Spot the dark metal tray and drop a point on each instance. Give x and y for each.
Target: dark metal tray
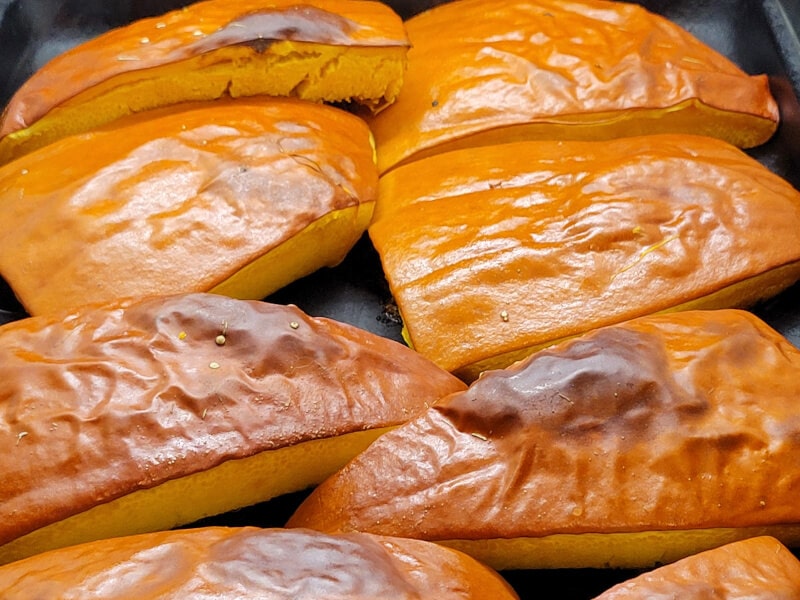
(761, 36)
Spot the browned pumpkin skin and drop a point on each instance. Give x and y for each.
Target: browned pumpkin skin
(184, 200)
(667, 423)
(271, 564)
(234, 35)
(488, 71)
(122, 398)
(758, 568)
(493, 252)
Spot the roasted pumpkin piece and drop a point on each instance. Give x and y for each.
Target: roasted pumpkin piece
(239, 197)
(230, 563)
(490, 71)
(136, 417)
(631, 446)
(494, 252)
(319, 50)
(756, 568)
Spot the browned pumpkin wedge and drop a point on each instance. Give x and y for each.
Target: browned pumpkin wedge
(319, 50)
(239, 197)
(236, 563)
(494, 252)
(131, 418)
(758, 568)
(490, 71)
(633, 445)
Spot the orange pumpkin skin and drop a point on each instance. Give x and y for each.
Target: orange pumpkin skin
(271, 564)
(319, 50)
(635, 444)
(239, 197)
(496, 251)
(488, 71)
(133, 417)
(759, 568)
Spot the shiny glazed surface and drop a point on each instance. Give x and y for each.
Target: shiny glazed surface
(111, 400)
(498, 249)
(269, 564)
(180, 200)
(671, 422)
(578, 583)
(758, 568)
(478, 65)
(200, 28)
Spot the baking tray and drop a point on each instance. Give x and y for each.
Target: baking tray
(761, 36)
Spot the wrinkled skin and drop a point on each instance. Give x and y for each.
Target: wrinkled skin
(665, 423)
(271, 564)
(114, 399)
(490, 71)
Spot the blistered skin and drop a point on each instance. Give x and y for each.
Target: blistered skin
(666, 423)
(198, 29)
(477, 66)
(493, 252)
(182, 200)
(270, 564)
(114, 400)
(759, 568)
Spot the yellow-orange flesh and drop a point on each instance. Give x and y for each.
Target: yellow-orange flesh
(637, 550)
(494, 252)
(629, 446)
(489, 71)
(318, 50)
(236, 196)
(145, 415)
(231, 485)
